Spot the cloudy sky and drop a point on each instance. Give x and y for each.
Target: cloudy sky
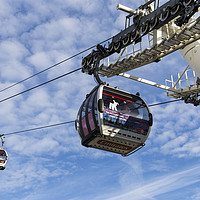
(51, 163)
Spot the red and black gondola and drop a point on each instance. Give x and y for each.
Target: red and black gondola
(113, 120)
(3, 158)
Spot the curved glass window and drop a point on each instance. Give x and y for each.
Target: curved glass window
(83, 118)
(2, 155)
(95, 109)
(90, 113)
(125, 111)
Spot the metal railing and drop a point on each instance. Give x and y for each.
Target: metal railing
(181, 80)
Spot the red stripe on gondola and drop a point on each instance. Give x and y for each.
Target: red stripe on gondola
(122, 98)
(117, 97)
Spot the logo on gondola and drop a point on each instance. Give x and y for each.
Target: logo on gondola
(114, 145)
(113, 106)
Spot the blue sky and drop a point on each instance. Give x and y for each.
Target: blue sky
(51, 163)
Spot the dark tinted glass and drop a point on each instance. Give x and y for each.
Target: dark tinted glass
(125, 111)
(2, 155)
(83, 119)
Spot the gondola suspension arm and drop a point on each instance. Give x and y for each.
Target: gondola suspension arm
(91, 65)
(96, 70)
(2, 141)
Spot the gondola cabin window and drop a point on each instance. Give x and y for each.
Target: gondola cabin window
(3, 156)
(127, 113)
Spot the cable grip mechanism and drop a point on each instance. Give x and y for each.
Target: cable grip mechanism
(193, 99)
(2, 141)
(90, 64)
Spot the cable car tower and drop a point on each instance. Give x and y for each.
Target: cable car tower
(120, 122)
(169, 27)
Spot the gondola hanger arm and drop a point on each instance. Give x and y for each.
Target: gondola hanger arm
(2, 141)
(96, 70)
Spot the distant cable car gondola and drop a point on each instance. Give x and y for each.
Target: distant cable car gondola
(3, 156)
(113, 120)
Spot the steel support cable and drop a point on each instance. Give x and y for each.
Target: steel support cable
(157, 104)
(37, 128)
(46, 69)
(68, 122)
(10, 97)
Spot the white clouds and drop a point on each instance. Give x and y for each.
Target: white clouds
(196, 196)
(162, 185)
(159, 165)
(6, 9)
(165, 136)
(12, 49)
(12, 55)
(31, 174)
(37, 34)
(186, 146)
(56, 34)
(173, 144)
(40, 60)
(131, 174)
(38, 99)
(176, 129)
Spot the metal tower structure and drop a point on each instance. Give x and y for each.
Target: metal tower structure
(163, 29)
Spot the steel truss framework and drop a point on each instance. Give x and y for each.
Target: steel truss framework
(169, 45)
(146, 21)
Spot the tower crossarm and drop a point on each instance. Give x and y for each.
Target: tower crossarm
(178, 40)
(144, 21)
(145, 81)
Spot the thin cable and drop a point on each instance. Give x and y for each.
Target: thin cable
(10, 97)
(53, 66)
(63, 123)
(157, 104)
(37, 128)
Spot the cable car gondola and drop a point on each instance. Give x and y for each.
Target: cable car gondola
(113, 120)
(3, 156)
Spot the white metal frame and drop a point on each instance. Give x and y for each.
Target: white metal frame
(171, 84)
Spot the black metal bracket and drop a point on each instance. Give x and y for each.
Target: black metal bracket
(193, 99)
(90, 65)
(190, 10)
